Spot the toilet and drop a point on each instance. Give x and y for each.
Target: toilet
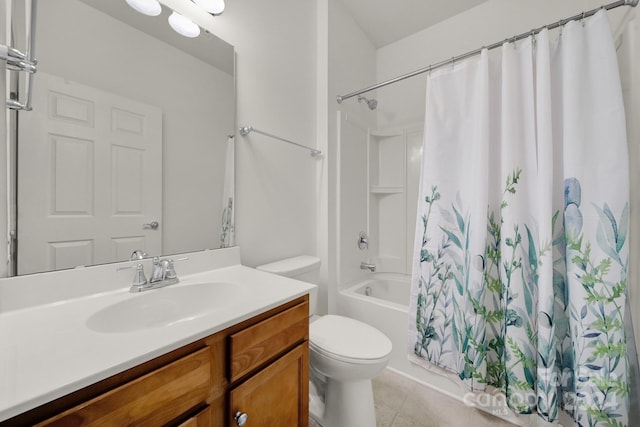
(344, 354)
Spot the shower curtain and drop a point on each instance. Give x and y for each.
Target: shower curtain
(520, 260)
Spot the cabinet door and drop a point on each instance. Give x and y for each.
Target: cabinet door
(278, 395)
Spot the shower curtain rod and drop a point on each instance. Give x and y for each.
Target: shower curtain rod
(246, 130)
(560, 23)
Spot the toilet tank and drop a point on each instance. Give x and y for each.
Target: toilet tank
(304, 267)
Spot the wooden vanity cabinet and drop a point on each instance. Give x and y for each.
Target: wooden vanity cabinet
(258, 367)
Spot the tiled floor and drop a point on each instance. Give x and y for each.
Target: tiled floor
(401, 402)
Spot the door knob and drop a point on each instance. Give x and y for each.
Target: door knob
(241, 418)
(152, 225)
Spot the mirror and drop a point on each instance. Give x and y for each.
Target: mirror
(127, 146)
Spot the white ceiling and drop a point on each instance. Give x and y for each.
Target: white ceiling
(386, 21)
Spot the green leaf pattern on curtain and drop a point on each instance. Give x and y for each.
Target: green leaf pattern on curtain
(479, 316)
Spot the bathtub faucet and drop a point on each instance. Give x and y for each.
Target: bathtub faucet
(367, 266)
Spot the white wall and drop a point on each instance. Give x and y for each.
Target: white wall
(275, 43)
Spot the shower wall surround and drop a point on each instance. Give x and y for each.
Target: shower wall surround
(393, 192)
(378, 194)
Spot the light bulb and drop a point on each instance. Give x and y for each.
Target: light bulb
(212, 6)
(183, 26)
(146, 7)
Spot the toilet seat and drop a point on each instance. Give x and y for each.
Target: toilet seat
(348, 340)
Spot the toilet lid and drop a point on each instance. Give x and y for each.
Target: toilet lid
(348, 338)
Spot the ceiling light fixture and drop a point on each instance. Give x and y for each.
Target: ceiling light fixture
(215, 7)
(183, 26)
(146, 7)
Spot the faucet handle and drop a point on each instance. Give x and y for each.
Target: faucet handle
(363, 240)
(170, 270)
(139, 279)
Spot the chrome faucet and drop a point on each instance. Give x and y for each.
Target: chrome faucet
(367, 266)
(163, 273)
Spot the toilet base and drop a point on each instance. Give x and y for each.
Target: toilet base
(346, 404)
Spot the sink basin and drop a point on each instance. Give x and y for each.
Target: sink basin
(165, 306)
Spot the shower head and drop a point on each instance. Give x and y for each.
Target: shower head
(372, 103)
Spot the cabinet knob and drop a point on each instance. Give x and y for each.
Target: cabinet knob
(241, 418)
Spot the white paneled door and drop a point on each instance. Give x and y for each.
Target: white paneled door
(89, 177)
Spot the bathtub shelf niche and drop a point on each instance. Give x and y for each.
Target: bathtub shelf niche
(392, 173)
(386, 207)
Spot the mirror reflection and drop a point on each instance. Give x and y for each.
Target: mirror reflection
(127, 147)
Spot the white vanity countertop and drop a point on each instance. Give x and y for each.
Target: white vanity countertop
(48, 351)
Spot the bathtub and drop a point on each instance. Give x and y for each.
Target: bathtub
(382, 301)
(385, 289)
